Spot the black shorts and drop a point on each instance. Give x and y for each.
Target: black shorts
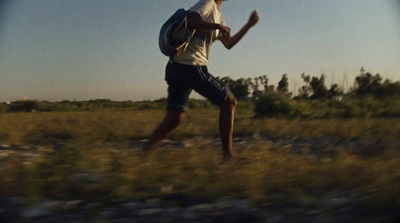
(182, 79)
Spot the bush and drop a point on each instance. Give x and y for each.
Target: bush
(23, 106)
(352, 111)
(362, 107)
(199, 103)
(272, 105)
(3, 107)
(156, 104)
(245, 106)
(390, 106)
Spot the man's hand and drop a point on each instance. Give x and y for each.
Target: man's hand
(229, 41)
(253, 18)
(225, 31)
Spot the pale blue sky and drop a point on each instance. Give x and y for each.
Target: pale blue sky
(87, 49)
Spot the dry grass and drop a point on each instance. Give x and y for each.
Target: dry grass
(198, 170)
(97, 127)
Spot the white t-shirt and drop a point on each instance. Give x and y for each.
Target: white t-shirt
(198, 50)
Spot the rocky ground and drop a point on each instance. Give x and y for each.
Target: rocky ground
(182, 208)
(332, 206)
(320, 147)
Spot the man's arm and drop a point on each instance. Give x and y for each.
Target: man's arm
(231, 42)
(194, 21)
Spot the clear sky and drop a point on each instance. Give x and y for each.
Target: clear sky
(87, 49)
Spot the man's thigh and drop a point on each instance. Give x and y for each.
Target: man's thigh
(212, 89)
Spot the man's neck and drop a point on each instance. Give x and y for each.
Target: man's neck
(218, 2)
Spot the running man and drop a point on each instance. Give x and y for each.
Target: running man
(189, 72)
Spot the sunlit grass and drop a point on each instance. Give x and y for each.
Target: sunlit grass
(96, 142)
(199, 171)
(103, 126)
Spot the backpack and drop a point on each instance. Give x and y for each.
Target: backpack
(174, 34)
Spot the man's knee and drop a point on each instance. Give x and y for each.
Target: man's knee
(230, 101)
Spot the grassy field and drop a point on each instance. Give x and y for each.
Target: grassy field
(102, 126)
(98, 143)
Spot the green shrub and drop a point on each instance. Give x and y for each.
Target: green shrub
(156, 104)
(245, 105)
(365, 106)
(199, 103)
(3, 107)
(390, 107)
(351, 111)
(23, 106)
(272, 105)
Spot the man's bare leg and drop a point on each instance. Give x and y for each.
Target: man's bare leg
(170, 122)
(226, 117)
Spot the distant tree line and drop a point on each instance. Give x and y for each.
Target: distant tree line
(314, 87)
(370, 96)
(65, 105)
